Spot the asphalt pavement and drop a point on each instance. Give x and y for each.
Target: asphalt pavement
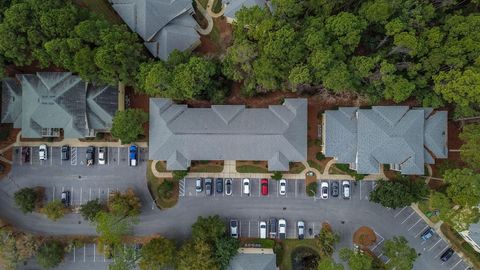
(85, 183)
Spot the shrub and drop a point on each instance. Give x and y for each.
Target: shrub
(277, 175)
(320, 156)
(165, 189)
(312, 189)
(25, 199)
(178, 175)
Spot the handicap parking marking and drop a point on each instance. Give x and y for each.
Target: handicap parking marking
(381, 241)
(73, 156)
(181, 186)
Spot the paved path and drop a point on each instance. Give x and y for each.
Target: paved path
(210, 11)
(209, 19)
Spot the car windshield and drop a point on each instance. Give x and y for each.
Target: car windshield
(233, 224)
(246, 183)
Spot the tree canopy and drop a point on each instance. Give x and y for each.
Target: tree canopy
(54, 210)
(463, 186)
(357, 260)
(470, 149)
(208, 229)
(15, 247)
(399, 193)
(196, 255)
(326, 241)
(400, 254)
(50, 254)
(329, 264)
(124, 204)
(90, 209)
(157, 253)
(25, 199)
(128, 125)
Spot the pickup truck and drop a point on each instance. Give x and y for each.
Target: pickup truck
(132, 156)
(90, 155)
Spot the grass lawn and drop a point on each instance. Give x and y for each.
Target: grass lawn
(424, 207)
(316, 165)
(460, 244)
(251, 169)
(153, 184)
(160, 166)
(289, 246)
(296, 167)
(103, 9)
(207, 169)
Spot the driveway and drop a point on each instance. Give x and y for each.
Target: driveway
(345, 216)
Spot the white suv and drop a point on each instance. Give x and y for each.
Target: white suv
(283, 187)
(246, 186)
(263, 229)
(42, 152)
(324, 190)
(282, 228)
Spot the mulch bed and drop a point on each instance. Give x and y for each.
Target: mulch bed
(364, 237)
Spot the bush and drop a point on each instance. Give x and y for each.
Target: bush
(320, 156)
(312, 189)
(50, 254)
(179, 175)
(25, 199)
(54, 210)
(128, 125)
(277, 176)
(165, 189)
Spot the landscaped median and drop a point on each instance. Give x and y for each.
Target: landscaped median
(163, 190)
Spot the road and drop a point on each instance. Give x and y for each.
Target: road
(345, 216)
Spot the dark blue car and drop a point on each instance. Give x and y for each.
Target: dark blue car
(132, 156)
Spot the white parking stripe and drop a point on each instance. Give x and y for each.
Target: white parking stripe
(72, 199)
(360, 190)
(408, 217)
(459, 261)
(249, 229)
(90, 194)
(295, 188)
(81, 195)
(118, 155)
(400, 211)
(422, 230)
(84, 249)
(53, 197)
(94, 252)
(414, 224)
(51, 152)
(73, 253)
(435, 244)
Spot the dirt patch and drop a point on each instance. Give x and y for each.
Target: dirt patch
(437, 185)
(310, 179)
(364, 237)
(296, 167)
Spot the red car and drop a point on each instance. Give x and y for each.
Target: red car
(264, 187)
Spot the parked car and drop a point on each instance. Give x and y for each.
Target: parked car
(26, 154)
(346, 189)
(282, 228)
(234, 228)
(301, 229)
(90, 155)
(264, 187)
(246, 186)
(65, 198)
(335, 189)
(42, 152)
(273, 228)
(283, 187)
(263, 229)
(427, 234)
(324, 190)
(447, 255)
(208, 186)
(102, 155)
(228, 186)
(132, 156)
(65, 152)
(219, 185)
(199, 185)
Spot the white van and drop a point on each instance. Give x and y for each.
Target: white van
(263, 229)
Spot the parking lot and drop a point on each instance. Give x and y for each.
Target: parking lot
(413, 225)
(295, 190)
(116, 156)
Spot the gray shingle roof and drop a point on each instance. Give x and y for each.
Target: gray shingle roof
(11, 102)
(58, 100)
(386, 135)
(232, 6)
(253, 261)
(180, 134)
(474, 232)
(164, 25)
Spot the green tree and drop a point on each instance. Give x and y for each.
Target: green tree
(277, 175)
(179, 175)
(124, 258)
(90, 209)
(357, 260)
(400, 254)
(398, 193)
(208, 229)
(25, 199)
(54, 210)
(128, 125)
(124, 204)
(157, 253)
(461, 218)
(288, 8)
(50, 254)
(470, 149)
(377, 11)
(196, 255)
(326, 241)
(329, 264)
(119, 55)
(112, 227)
(346, 28)
(225, 249)
(463, 186)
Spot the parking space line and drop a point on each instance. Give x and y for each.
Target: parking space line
(73, 253)
(408, 217)
(104, 247)
(94, 251)
(435, 244)
(90, 194)
(460, 260)
(118, 155)
(440, 253)
(84, 251)
(249, 229)
(51, 152)
(81, 195)
(295, 188)
(53, 197)
(360, 190)
(108, 197)
(422, 230)
(71, 190)
(400, 212)
(414, 224)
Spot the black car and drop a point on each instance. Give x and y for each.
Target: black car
(273, 228)
(335, 188)
(208, 186)
(66, 198)
(219, 185)
(90, 155)
(26, 154)
(447, 255)
(65, 152)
